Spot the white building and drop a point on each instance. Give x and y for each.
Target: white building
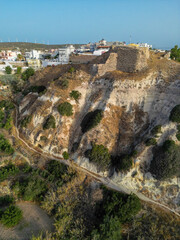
(64, 54)
(100, 51)
(33, 54)
(145, 45)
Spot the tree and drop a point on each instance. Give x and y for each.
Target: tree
(110, 229)
(100, 156)
(165, 163)
(175, 114)
(19, 69)
(91, 120)
(175, 53)
(75, 94)
(19, 57)
(11, 216)
(27, 74)
(50, 123)
(8, 70)
(65, 109)
(65, 155)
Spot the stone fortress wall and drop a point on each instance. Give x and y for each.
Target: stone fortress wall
(125, 59)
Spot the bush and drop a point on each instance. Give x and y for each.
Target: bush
(43, 138)
(65, 109)
(6, 108)
(30, 188)
(100, 156)
(8, 70)
(175, 114)
(151, 141)
(5, 146)
(6, 200)
(91, 120)
(110, 229)
(175, 53)
(11, 216)
(19, 69)
(64, 84)
(50, 123)
(123, 163)
(9, 170)
(71, 70)
(75, 94)
(56, 169)
(124, 206)
(165, 163)
(65, 155)
(156, 130)
(26, 120)
(178, 136)
(27, 74)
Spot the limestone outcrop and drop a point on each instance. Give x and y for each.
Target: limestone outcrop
(133, 103)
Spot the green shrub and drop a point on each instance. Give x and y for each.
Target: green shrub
(65, 109)
(19, 69)
(175, 114)
(65, 155)
(150, 142)
(156, 130)
(91, 120)
(165, 163)
(7, 171)
(11, 216)
(110, 229)
(6, 200)
(71, 70)
(27, 74)
(178, 128)
(8, 70)
(175, 53)
(5, 146)
(56, 169)
(178, 136)
(26, 120)
(124, 163)
(100, 156)
(64, 84)
(8, 105)
(30, 188)
(6, 108)
(75, 94)
(43, 138)
(50, 123)
(124, 206)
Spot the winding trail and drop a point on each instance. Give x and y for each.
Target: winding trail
(105, 180)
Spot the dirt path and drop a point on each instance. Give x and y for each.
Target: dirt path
(105, 180)
(35, 220)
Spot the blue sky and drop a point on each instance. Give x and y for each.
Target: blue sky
(81, 21)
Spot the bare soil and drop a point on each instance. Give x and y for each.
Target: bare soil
(34, 221)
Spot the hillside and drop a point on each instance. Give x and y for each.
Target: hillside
(91, 151)
(29, 46)
(132, 104)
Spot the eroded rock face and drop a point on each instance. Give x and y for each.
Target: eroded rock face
(131, 109)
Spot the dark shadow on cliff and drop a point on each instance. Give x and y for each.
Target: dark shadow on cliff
(98, 93)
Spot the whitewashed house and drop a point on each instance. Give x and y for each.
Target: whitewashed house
(64, 54)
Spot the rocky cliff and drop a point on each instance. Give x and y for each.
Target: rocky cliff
(135, 96)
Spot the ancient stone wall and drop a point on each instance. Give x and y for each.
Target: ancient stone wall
(126, 59)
